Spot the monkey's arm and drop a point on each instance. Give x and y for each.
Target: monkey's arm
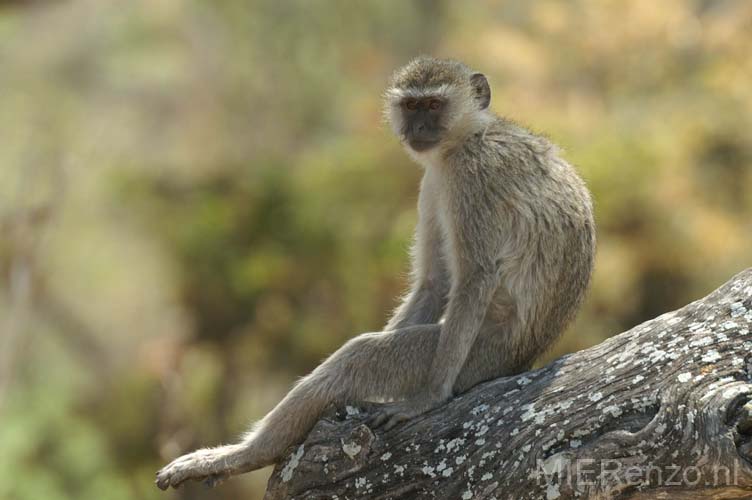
(427, 300)
(464, 318)
(465, 314)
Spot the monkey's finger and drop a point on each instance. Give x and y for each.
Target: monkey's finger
(397, 418)
(178, 475)
(163, 478)
(378, 420)
(164, 482)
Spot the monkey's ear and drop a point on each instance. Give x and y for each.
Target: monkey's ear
(482, 90)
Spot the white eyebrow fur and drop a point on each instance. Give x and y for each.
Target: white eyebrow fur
(435, 91)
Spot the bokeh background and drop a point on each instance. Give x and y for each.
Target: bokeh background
(199, 200)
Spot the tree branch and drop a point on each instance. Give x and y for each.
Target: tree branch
(661, 411)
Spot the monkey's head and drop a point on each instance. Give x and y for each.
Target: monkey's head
(432, 102)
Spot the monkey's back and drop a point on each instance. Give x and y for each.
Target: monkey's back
(548, 248)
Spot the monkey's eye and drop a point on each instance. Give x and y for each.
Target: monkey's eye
(411, 104)
(435, 104)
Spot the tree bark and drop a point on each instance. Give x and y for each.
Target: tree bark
(663, 410)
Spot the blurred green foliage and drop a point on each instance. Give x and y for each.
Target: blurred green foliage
(198, 200)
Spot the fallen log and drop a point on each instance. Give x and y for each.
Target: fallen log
(663, 410)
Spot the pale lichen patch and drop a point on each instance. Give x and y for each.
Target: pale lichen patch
(531, 413)
(732, 392)
(481, 408)
(657, 355)
(729, 325)
(523, 381)
(675, 320)
(564, 405)
(738, 309)
(428, 471)
(704, 341)
(711, 356)
(454, 443)
(613, 410)
(693, 327)
(351, 449)
(595, 397)
(288, 470)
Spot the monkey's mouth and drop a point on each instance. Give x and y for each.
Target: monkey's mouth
(421, 145)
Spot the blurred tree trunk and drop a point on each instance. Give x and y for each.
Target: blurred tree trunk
(663, 410)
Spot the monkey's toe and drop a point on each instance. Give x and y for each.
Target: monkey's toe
(382, 417)
(378, 419)
(187, 467)
(164, 477)
(396, 419)
(389, 416)
(171, 476)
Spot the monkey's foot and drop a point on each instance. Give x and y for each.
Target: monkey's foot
(210, 465)
(392, 414)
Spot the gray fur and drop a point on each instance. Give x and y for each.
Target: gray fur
(502, 259)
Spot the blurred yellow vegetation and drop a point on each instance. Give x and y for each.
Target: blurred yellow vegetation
(199, 200)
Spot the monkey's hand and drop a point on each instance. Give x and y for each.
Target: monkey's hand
(392, 414)
(208, 465)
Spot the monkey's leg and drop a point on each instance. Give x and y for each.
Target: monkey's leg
(488, 359)
(389, 365)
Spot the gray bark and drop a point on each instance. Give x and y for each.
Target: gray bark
(663, 410)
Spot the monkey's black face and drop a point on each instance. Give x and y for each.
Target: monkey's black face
(422, 122)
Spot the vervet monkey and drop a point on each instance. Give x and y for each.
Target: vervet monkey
(503, 255)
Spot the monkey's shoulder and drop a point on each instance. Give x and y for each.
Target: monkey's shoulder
(504, 148)
(508, 136)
